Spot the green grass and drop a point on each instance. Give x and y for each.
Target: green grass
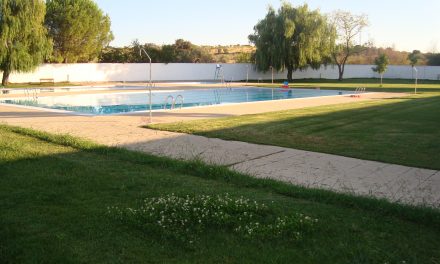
(401, 130)
(38, 85)
(54, 193)
(372, 84)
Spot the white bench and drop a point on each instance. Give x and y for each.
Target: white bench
(47, 80)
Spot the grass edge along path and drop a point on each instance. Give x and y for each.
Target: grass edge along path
(416, 214)
(371, 84)
(399, 131)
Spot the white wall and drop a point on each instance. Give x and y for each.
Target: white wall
(131, 72)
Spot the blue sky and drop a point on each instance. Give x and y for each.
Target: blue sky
(404, 24)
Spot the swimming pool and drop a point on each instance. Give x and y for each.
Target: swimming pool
(124, 102)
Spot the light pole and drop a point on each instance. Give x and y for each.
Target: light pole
(149, 85)
(247, 74)
(272, 73)
(415, 85)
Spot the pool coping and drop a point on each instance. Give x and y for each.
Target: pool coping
(171, 110)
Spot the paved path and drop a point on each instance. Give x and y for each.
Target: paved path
(394, 182)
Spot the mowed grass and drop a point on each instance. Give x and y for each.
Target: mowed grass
(55, 190)
(403, 131)
(371, 84)
(38, 85)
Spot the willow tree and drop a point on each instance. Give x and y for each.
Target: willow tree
(79, 29)
(23, 38)
(292, 38)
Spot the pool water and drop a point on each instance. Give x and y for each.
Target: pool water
(113, 103)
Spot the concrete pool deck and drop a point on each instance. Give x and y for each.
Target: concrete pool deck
(394, 182)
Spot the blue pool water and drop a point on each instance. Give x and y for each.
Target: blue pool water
(112, 103)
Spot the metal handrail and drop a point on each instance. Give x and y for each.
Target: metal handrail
(166, 102)
(31, 94)
(150, 85)
(217, 96)
(181, 101)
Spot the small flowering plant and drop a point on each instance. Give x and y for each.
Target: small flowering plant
(184, 217)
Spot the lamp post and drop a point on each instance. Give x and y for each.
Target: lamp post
(149, 84)
(271, 68)
(247, 74)
(415, 85)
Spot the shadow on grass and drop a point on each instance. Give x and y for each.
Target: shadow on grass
(422, 215)
(53, 202)
(53, 209)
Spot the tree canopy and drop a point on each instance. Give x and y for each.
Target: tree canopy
(433, 59)
(79, 29)
(414, 57)
(23, 37)
(181, 51)
(292, 38)
(381, 63)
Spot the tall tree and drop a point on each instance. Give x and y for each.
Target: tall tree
(381, 63)
(414, 57)
(348, 27)
(292, 38)
(23, 37)
(79, 29)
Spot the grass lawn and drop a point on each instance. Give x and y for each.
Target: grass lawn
(402, 131)
(37, 85)
(55, 190)
(372, 84)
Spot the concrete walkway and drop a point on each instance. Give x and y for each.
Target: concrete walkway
(394, 182)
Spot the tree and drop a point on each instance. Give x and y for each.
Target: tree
(79, 29)
(23, 37)
(414, 57)
(433, 59)
(115, 55)
(348, 27)
(244, 57)
(292, 38)
(381, 63)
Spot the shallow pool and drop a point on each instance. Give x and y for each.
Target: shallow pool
(113, 103)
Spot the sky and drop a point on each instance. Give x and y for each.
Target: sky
(402, 24)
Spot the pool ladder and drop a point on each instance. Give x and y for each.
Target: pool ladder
(358, 92)
(173, 102)
(31, 94)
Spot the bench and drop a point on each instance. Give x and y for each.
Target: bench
(5, 91)
(47, 80)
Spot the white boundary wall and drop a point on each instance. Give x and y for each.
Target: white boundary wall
(134, 72)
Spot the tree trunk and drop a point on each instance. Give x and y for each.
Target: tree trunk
(381, 77)
(289, 74)
(341, 72)
(5, 79)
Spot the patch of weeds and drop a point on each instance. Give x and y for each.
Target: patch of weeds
(185, 218)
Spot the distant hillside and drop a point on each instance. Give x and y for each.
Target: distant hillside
(231, 53)
(185, 51)
(395, 57)
(243, 53)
